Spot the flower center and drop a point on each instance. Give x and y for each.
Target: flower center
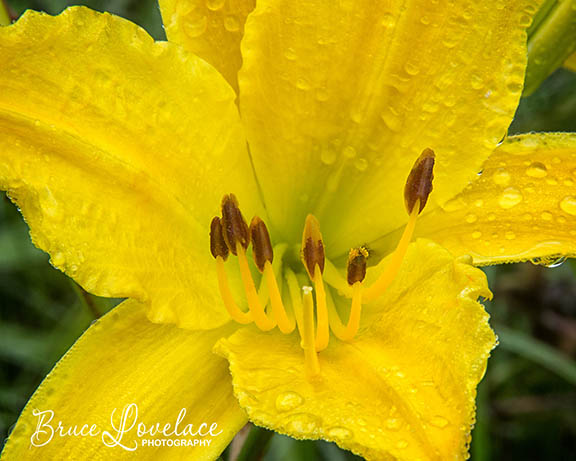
(314, 316)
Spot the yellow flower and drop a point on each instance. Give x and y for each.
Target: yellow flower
(118, 150)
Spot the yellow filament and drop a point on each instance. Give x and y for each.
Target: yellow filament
(285, 324)
(307, 333)
(258, 314)
(231, 306)
(393, 267)
(347, 332)
(323, 328)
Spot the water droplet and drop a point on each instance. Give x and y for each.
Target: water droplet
(546, 216)
(361, 164)
(510, 235)
(492, 217)
(328, 156)
(425, 20)
(501, 177)
(341, 433)
(439, 421)
(515, 86)
(362, 422)
(471, 218)
(231, 24)
(549, 262)
(476, 82)
(195, 25)
(290, 54)
(302, 84)
(302, 423)
(512, 197)
(476, 234)
(349, 152)
(537, 170)
(568, 204)
(401, 444)
(393, 424)
(411, 68)
(388, 20)
(214, 5)
(287, 401)
(478, 203)
(392, 120)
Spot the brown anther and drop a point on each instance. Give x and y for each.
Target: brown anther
(235, 229)
(419, 182)
(312, 254)
(356, 270)
(217, 244)
(261, 245)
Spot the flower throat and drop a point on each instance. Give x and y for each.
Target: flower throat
(314, 316)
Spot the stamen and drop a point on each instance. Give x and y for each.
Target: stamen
(416, 192)
(219, 250)
(356, 272)
(218, 246)
(258, 313)
(312, 254)
(419, 182)
(235, 228)
(263, 257)
(261, 245)
(313, 259)
(307, 333)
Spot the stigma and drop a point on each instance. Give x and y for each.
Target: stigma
(292, 299)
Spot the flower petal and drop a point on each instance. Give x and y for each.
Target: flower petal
(123, 359)
(212, 29)
(403, 389)
(340, 98)
(522, 207)
(118, 151)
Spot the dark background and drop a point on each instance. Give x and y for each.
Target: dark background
(526, 402)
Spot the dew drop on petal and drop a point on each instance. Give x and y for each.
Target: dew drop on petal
(471, 218)
(287, 401)
(349, 152)
(549, 262)
(231, 24)
(546, 216)
(501, 177)
(439, 421)
(195, 25)
(537, 170)
(328, 156)
(361, 164)
(511, 197)
(401, 444)
(393, 424)
(302, 423)
(568, 205)
(214, 5)
(341, 433)
(510, 235)
(476, 234)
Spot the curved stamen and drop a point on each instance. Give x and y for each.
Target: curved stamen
(258, 313)
(233, 310)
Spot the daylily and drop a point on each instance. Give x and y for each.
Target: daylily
(120, 151)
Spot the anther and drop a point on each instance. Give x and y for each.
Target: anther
(356, 270)
(312, 254)
(218, 246)
(261, 245)
(419, 182)
(235, 229)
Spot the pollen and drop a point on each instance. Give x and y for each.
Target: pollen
(309, 297)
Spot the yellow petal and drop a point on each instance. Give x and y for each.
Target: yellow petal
(212, 29)
(404, 388)
(118, 151)
(340, 98)
(123, 359)
(570, 63)
(522, 207)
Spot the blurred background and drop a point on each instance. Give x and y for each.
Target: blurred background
(526, 402)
